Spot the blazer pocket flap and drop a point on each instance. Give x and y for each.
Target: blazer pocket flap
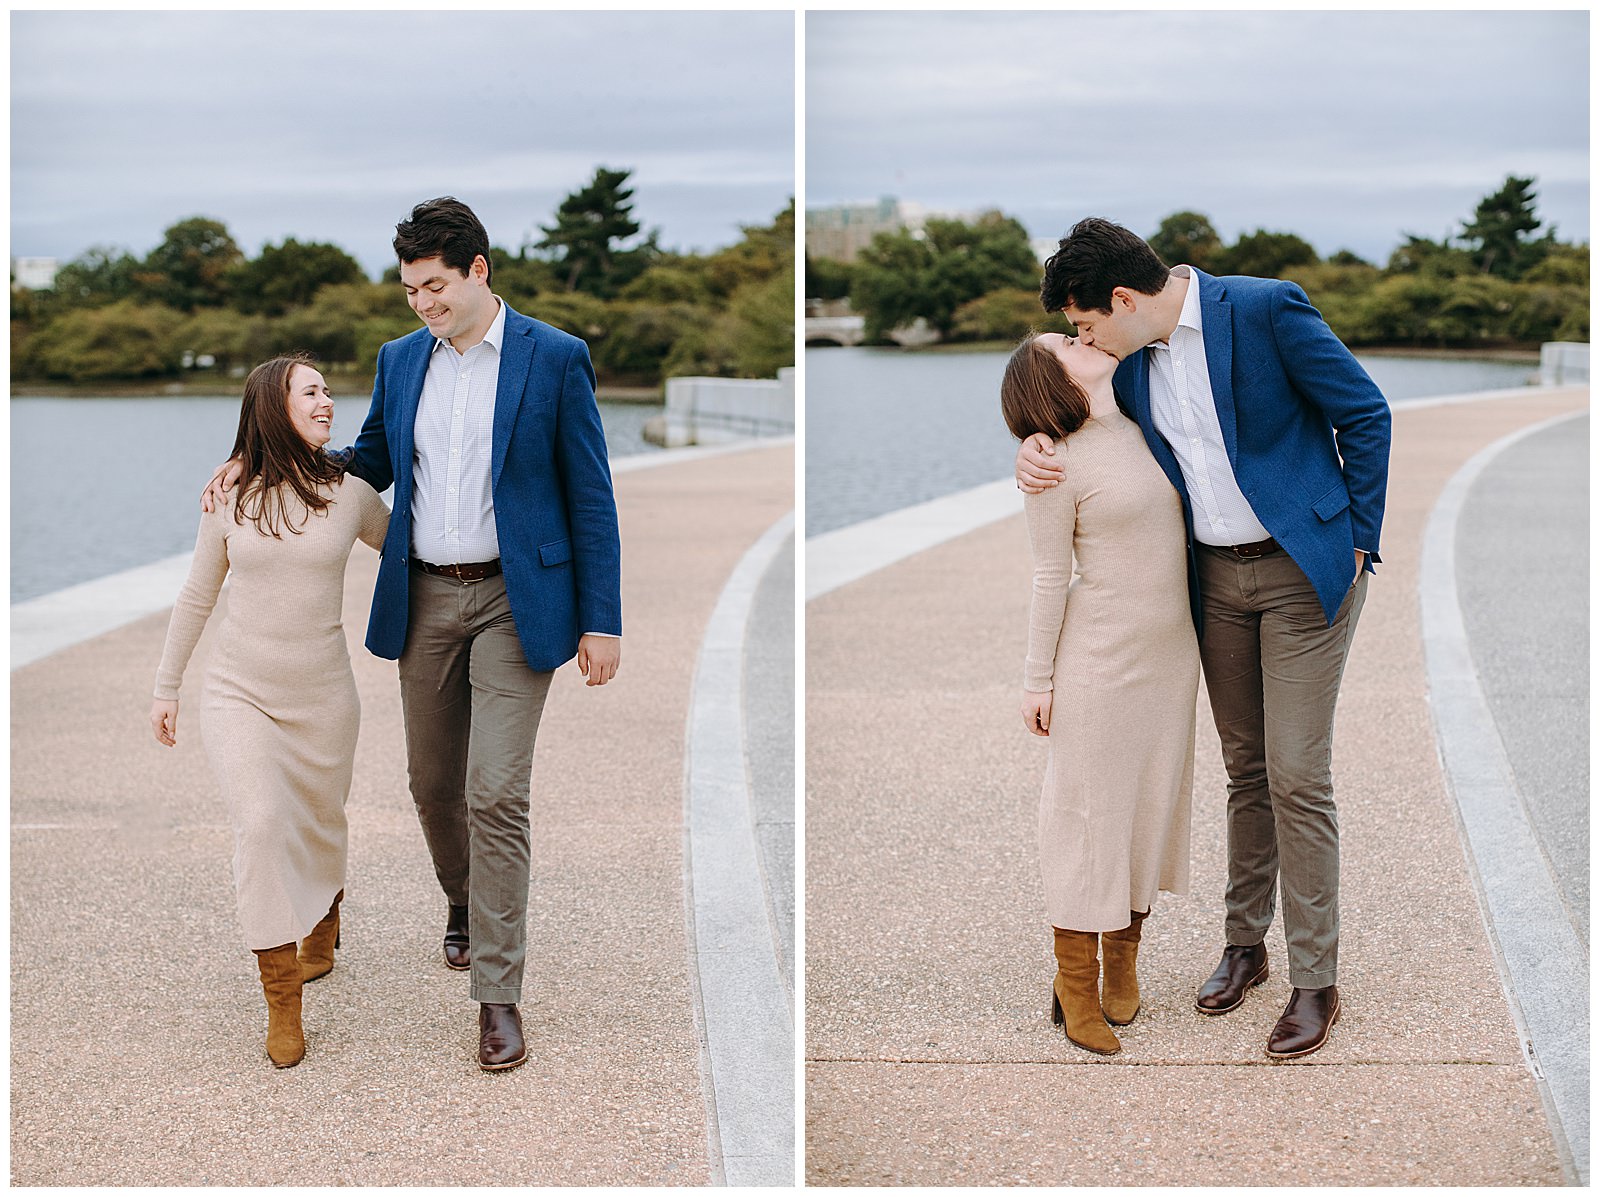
(1332, 503)
(555, 552)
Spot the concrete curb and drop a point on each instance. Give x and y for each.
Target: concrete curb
(58, 620)
(746, 1022)
(1543, 965)
(845, 555)
(47, 624)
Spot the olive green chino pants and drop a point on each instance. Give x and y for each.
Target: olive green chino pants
(1273, 665)
(472, 710)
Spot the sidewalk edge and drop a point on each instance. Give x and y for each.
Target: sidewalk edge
(1543, 967)
(743, 1013)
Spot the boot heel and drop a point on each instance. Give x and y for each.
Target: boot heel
(1056, 1017)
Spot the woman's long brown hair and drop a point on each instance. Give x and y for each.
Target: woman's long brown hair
(1038, 395)
(277, 461)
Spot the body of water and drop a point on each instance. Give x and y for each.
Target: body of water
(887, 428)
(102, 485)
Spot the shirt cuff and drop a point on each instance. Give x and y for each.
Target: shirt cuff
(607, 635)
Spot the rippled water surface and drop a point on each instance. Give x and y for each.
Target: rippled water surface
(885, 428)
(102, 485)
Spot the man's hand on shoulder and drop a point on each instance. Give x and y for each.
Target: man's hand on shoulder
(1037, 468)
(599, 657)
(224, 480)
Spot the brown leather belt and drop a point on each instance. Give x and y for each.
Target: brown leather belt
(471, 571)
(1249, 552)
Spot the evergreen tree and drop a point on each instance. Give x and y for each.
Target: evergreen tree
(1499, 235)
(587, 224)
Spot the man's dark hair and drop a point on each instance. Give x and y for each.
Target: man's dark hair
(1095, 258)
(442, 228)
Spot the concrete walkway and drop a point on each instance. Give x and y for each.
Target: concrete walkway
(136, 1016)
(930, 1056)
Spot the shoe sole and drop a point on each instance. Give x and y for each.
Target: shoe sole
(1127, 1022)
(1259, 979)
(522, 1059)
(1317, 1046)
(459, 968)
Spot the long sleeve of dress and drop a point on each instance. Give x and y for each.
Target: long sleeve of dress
(374, 513)
(1052, 518)
(196, 600)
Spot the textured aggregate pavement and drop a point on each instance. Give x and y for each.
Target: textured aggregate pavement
(930, 1054)
(137, 1021)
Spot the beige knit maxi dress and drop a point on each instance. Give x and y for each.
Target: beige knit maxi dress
(1117, 646)
(279, 710)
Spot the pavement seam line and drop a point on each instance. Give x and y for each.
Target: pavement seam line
(1263, 1063)
(745, 1020)
(1540, 958)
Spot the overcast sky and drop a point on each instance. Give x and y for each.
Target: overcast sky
(1348, 128)
(330, 126)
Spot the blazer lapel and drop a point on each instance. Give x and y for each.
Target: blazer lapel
(1216, 318)
(1135, 375)
(516, 356)
(415, 372)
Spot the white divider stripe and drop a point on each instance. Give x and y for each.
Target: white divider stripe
(746, 1020)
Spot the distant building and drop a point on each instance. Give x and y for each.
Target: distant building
(36, 274)
(842, 231)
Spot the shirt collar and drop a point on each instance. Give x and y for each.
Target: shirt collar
(1190, 316)
(494, 337)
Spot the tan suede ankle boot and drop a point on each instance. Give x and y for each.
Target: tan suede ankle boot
(1119, 993)
(280, 982)
(1076, 997)
(316, 949)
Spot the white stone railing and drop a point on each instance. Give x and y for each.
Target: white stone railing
(1563, 363)
(713, 411)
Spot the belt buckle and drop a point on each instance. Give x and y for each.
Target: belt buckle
(1247, 552)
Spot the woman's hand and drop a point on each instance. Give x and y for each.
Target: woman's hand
(164, 720)
(1036, 711)
(1037, 469)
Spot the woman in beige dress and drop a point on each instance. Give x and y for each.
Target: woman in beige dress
(279, 711)
(1111, 678)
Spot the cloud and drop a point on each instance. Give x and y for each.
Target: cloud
(1368, 122)
(322, 125)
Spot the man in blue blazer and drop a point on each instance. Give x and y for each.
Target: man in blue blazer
(502, 563)
(1278, 443)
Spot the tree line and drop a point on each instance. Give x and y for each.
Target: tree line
(1497, 282)
(647, 312)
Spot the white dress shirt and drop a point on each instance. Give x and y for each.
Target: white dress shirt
(452, 500)
(1184, 411)
(452, 509)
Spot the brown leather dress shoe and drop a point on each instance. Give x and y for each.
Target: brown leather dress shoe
(500, 1044)
(457, 943)
(1306, 1022)
(1241, 969)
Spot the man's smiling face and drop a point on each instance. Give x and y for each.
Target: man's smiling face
(447, 301)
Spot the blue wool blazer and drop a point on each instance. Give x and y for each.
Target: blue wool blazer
(1307, 430)
(554, 512)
